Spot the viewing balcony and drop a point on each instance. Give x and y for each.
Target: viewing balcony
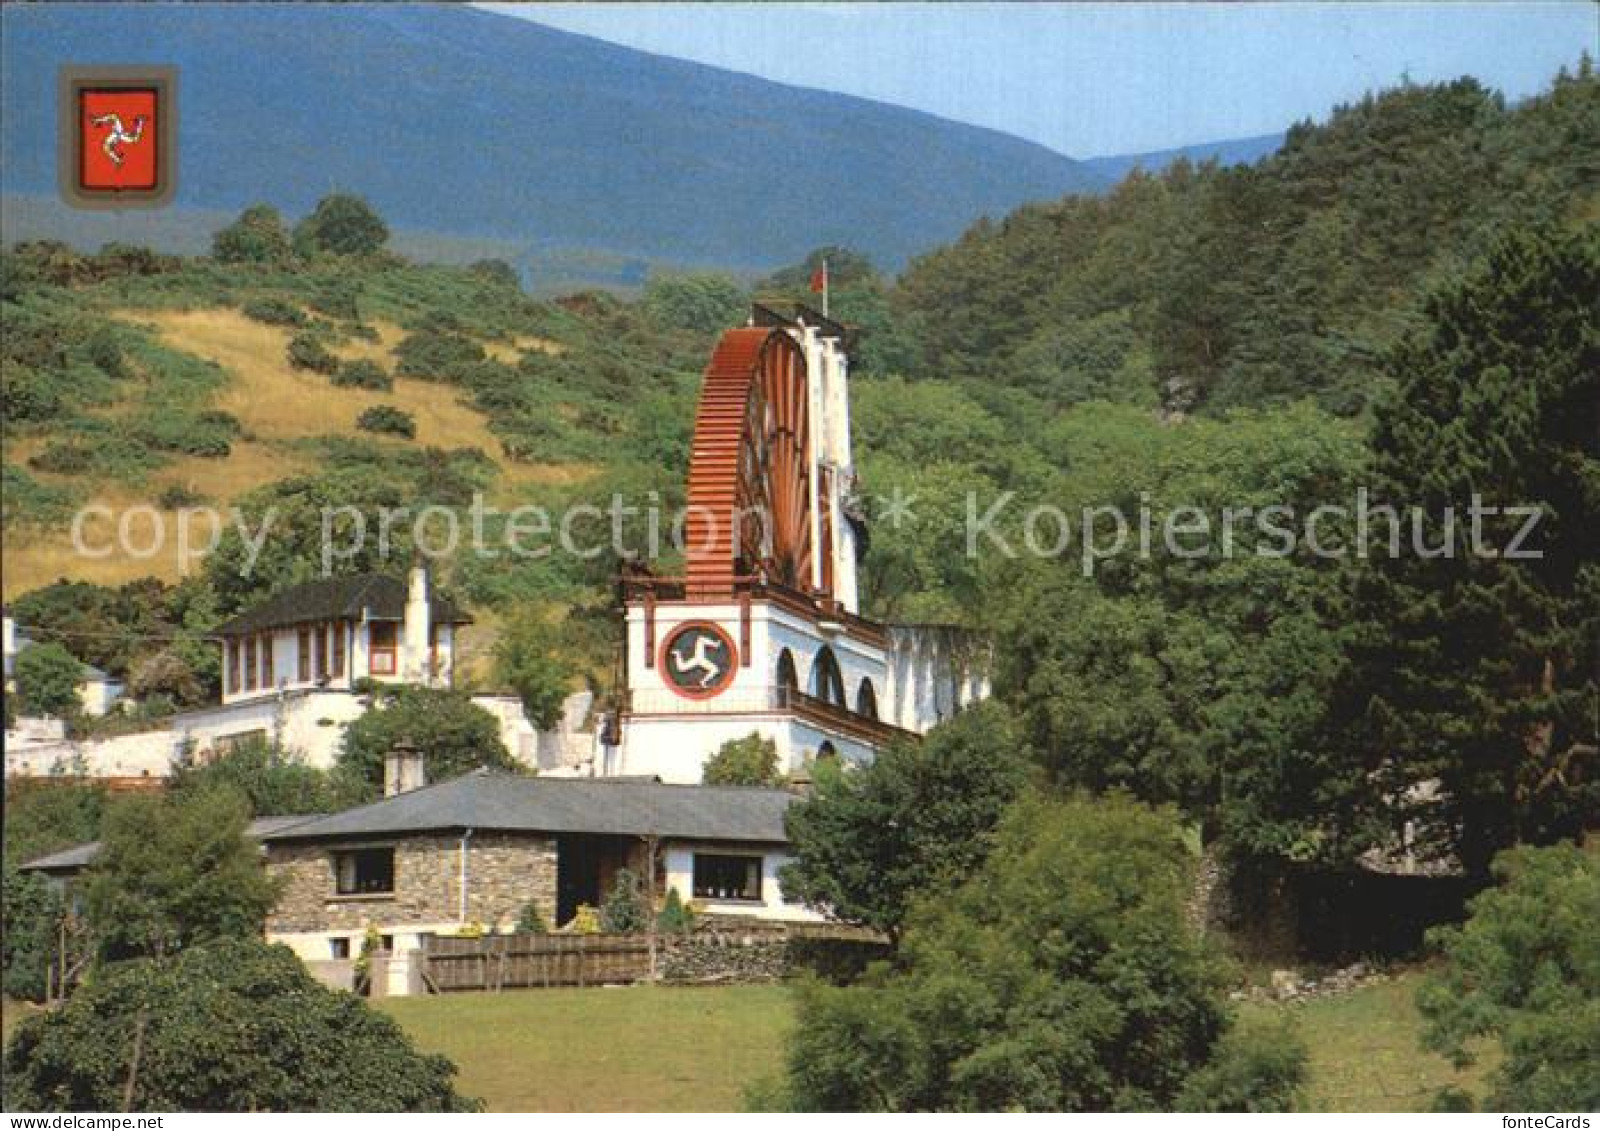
(820, 713)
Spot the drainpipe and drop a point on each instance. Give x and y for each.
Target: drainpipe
(462, 915)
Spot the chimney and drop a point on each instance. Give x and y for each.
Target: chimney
(403, 769)
(416, 630)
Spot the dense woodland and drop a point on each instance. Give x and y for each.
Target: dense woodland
(1403, 300)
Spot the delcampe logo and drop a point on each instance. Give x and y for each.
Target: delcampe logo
(118, 136)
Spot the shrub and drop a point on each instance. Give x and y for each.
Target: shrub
(530, 921)
(623, 912)
(174, 872)
(456, 734)
(177, 496)
(388, 420)
(63, 458)
(529, 659)
(1525, 970)
(33, 909)
(28, 394)
(675, 917)
(1060, 976)
(751, 760)
(257, 236)
(215, 1024)
(274, 312)
(307, 352)
(47, 678)
(363, 374)
(437, 355)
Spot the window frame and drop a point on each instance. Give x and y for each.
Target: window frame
(356, 889)
(709, 887)
(388, 652)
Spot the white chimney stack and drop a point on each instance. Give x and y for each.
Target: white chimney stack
(417, 628)
(403, 769)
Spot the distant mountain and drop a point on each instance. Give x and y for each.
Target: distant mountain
(1237, 151)
(468, 125)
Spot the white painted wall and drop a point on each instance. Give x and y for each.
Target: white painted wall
(672, 736)
(679, 859)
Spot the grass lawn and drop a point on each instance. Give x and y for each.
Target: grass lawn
(1366, 1054)
(664, 1048)
(633, 1048)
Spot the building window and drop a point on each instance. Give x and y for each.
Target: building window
(302, 646)
(364, 871)
(788, 678)
(382, 636)
(336, 634)
(827, 682)
(339, 948)
(228, 743)
(268, 669)
(319, 646)
(250, 670)
(233, 665)
(867, 700)
(727, 877)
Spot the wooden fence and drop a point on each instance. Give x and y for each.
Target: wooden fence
(496, 962)
(715, 951)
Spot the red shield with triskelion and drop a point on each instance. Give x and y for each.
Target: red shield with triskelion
(118, 139)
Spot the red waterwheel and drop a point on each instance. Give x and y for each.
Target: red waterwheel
(749, 478)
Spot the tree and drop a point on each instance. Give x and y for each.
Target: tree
(274, 781)
(33, 912)
(231, 1025)
(1525, 970)
(342, 224)
(1061, 976)
(166, 673)
(751, 760)
(870, 840)
(529, 659)
(454, 734)
(623, 912)
(704, 304)
(257, 236)
(1472, 668)
(173, 873)
(47, 678)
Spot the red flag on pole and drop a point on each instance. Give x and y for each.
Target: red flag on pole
(819, 285)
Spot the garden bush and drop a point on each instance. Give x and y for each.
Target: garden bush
(363, 374)
(437, 355)
(307, 352)
(389, 421)
(274, 312)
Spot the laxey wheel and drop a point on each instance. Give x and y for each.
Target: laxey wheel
(749, 476)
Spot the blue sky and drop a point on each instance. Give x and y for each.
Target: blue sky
(1094, 79)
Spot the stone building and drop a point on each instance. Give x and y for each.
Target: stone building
(473, 852)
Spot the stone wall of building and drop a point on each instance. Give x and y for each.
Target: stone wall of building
(504, 871)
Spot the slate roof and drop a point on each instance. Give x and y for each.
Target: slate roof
(509, 803)
(79, 856)
(378, 595)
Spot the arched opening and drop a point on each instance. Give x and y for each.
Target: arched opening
(827, 681)
(788, 678)
(867, 699)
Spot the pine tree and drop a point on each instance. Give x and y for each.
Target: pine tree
(1476, 674)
